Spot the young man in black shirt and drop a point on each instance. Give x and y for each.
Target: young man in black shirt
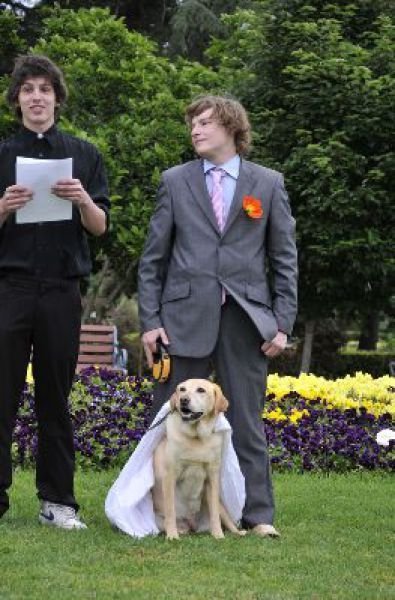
(41, 265)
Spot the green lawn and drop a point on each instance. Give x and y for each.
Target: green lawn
(336, 543)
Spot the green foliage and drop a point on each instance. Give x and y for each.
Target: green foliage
(150, 18)
(319, 90)
(129, 101)
(11, 41)
(192, 26)
(333, 365)
(318, 81)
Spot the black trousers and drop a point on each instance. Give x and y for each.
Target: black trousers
(240, 368)
(43, 318)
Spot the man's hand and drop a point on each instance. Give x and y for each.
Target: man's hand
(73, 190)
(14, 197)
(149, 339)
(276, 346)
(93, 217)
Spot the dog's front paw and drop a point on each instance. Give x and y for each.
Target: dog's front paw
(218, 534)
(241, 532)
(172, 534)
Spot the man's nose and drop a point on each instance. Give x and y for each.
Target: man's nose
(36, 94)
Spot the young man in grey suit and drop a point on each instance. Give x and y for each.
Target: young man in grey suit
(220, 225)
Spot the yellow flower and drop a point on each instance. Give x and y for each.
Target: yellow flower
(296, 415)
(275, 415)
(29, 374)
(353, 391)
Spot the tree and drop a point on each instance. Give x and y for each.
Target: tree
(150, 18)
(179, 27)
(129, 101)
(320, 104)
(29, 19)
(11, 42)
(194, 22)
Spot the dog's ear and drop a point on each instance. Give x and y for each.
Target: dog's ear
(221, 403)
(173, 401)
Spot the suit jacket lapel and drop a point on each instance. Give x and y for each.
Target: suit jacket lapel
(244, 186)
(197, 184)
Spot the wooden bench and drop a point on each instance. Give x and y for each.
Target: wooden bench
(99, 347)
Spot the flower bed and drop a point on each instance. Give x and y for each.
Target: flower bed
(109, 414)
(312, 424)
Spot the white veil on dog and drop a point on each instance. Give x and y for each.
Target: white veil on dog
(129, 504)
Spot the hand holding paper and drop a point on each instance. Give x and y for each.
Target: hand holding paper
(73, 190)
(40, 175)
(14, 198)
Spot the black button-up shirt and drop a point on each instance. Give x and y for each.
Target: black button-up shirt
(52, 249)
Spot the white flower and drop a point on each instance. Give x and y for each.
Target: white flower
(384, 437)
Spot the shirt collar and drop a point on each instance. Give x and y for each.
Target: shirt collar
(49, 135)
(231, 166)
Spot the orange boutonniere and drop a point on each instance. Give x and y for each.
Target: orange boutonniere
(252, 207)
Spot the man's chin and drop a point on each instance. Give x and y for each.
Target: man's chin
(203, 152)
(38, 123)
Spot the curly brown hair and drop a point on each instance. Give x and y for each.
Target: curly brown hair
(229, 113)
(35, 65)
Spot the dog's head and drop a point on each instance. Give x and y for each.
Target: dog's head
(195, 399)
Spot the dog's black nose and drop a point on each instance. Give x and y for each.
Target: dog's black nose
(184, 401)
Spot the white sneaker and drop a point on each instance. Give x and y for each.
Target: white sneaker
(59, 515)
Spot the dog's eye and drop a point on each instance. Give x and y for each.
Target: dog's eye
(201, 390)
(182, 389)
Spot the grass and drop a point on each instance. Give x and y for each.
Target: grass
(335, 544)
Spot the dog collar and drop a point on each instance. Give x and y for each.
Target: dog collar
(160, 421)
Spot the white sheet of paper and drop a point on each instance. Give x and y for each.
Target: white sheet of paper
(40, 175)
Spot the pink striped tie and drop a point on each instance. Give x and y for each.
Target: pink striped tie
(217, 196)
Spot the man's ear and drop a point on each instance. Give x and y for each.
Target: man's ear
(221, 403)
(173, 401)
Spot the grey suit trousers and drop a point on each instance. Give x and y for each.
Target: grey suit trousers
(240, 369)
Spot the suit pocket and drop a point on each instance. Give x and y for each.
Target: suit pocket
(176, 291)
(259, 293)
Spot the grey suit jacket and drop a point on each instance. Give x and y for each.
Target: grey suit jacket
(186, 260)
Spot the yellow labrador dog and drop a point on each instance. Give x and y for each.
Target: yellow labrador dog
(187, 462)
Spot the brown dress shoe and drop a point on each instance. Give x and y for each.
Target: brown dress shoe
(265, 530)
